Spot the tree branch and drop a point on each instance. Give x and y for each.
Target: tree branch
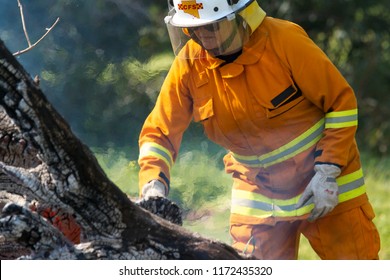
(23, 23)
(31, 46)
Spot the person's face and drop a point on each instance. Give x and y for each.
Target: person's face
(213, 36)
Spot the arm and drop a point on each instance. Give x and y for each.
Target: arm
(162, 132)
(324, 86)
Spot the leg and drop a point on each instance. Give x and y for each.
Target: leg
(349, 235)
(278, 242)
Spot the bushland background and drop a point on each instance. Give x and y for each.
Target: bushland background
(104, 62)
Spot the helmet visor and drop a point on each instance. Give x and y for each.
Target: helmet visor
(222, 37)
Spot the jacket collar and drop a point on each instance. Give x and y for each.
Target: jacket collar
(251, 54)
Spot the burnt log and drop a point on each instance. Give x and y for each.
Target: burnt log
(43, 162)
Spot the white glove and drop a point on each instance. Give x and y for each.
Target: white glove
(324, 190)
(154, 188)
(154, 200)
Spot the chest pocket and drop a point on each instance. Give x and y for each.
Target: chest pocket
(203, 101)
(284, 101)
(203, 109)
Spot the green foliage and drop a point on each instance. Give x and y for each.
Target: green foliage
(121, 171)
(198, 184)
(377, 181)
(197, 177)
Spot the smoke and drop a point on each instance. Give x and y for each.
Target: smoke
(90, 35)
(131, 9)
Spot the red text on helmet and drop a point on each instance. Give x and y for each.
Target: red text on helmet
(191, 7)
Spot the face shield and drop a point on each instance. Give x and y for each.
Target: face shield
(223, 37)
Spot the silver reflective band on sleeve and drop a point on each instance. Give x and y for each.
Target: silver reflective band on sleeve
(341, 119)
(158, 151)
(259, 206)
(291, 149)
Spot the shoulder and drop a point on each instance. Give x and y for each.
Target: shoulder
(285, 36)
(280, 28)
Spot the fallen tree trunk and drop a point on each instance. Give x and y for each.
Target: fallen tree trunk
(43, 161)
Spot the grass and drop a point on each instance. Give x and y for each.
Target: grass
(378, 189)
(207, 208)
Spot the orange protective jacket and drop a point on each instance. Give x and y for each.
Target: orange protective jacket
(279, 108)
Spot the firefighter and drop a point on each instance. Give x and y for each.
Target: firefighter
(263, 90)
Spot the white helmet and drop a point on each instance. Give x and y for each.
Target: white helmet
(191, 13)
(187, 17)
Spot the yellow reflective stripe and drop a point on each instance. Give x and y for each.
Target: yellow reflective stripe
(258, 213)
(304, 210)
(298, 212)
(246, 211)
(346, 179)
(341, 125)
(280, 151)
(287, 151)
(158, 151)
(352, 194)
(262, 198)
(259, 206)
(339, 114)
(341, 119)
(350, 179)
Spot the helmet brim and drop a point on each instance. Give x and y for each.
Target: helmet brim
(179, 21)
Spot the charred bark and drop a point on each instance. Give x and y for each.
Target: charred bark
(42, 161)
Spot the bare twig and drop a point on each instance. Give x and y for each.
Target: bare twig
(23, 23)
(31, 46)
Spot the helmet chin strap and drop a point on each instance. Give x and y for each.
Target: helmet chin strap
(225, 45)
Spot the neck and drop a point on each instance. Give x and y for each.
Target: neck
(233, 44)
(229, 58)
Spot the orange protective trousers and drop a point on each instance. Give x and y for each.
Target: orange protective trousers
(348, 235)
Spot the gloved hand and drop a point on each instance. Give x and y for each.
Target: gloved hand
(154, 200)
(153, 188)
(324, 190)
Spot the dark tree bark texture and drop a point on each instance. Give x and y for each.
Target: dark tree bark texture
(43, 162)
